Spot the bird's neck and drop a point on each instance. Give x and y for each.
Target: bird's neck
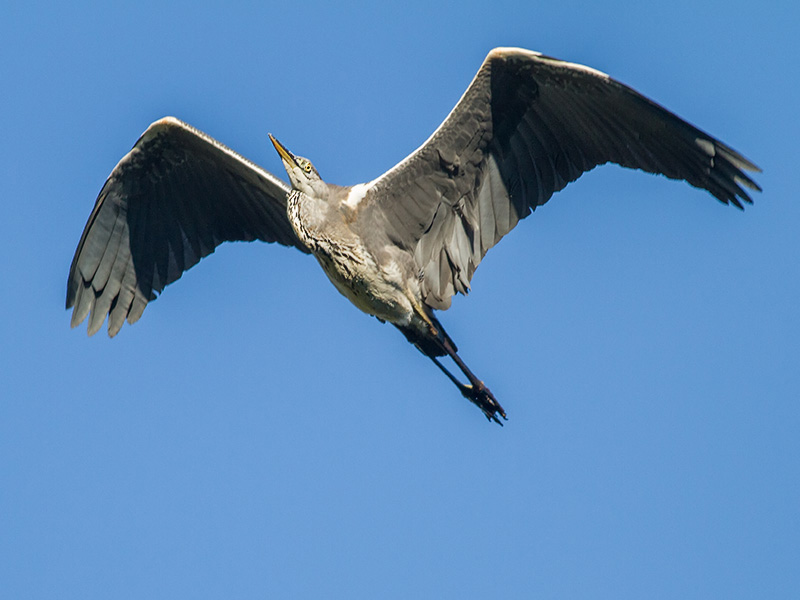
(309, 216)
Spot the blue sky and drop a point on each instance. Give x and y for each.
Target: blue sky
(256, 436)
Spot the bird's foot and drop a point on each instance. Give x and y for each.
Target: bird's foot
(483, 398)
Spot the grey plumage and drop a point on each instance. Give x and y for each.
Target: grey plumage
(406, 242)
(168, 203)
(527, 126)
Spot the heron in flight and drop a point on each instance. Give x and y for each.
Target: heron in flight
(400, 246)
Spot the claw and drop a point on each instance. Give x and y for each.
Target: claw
(483, 398)
(476, 392)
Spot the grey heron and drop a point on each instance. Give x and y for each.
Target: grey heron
(400, 246)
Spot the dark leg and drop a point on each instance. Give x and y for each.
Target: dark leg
(476, 392)
(440, 344)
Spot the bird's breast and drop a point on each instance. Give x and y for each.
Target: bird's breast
(375, 288)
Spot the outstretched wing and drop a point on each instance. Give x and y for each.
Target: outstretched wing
(169, 202)
(526, 127)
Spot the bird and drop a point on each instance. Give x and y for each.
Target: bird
(401, 246)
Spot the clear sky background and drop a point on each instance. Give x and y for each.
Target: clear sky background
(255, 436)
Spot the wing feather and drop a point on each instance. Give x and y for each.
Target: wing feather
(527, 126)
(169, 202)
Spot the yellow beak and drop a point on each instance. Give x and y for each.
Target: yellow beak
(284, 153)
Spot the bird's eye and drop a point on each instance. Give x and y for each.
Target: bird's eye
(307, 167)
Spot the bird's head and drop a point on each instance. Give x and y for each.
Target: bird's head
(302, 174)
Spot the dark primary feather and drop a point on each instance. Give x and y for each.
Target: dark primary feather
(526, 127)
(169, 202)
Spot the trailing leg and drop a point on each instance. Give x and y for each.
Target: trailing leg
(476, 391)
(437, 344)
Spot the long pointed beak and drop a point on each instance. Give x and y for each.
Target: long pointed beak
(285, 154)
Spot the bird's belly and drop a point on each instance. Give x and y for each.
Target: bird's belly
(376, 291)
